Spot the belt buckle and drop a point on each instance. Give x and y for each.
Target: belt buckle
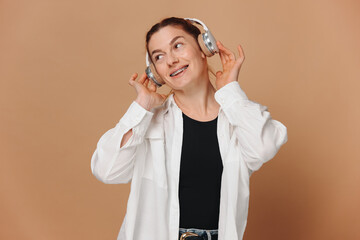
(187, 234)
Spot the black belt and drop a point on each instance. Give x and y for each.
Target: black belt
(194, 236)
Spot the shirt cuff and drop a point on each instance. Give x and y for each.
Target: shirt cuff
(230, 93)
(138, 118)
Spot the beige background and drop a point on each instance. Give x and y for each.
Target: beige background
(64, 68)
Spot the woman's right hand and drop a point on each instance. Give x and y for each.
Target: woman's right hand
(147, 96)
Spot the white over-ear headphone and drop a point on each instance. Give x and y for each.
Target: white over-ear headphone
(207, 44)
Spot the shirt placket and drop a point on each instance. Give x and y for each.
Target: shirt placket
(175, 173)
(223, 137)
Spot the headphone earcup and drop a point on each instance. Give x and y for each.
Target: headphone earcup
(203, 46)
(156, 75)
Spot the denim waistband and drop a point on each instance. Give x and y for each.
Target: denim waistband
(203, 233)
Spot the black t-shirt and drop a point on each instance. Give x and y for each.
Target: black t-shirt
(200, 175)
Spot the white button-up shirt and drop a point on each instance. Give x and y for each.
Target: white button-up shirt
(247, 136)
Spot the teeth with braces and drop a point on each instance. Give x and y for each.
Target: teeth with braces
(178, 71)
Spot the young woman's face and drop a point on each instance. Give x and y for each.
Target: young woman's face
(177, 57)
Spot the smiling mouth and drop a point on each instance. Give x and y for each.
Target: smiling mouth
(177, 72)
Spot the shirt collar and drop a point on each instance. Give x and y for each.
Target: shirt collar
(169, 102)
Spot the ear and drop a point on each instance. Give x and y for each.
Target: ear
(203, 55)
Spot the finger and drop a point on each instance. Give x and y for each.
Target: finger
(146, 82)
(152, 86)
(241, 57)
(227, 52)
(241, 52)
(132, 78)
(225, 56)
(221, 54)
(142, 78)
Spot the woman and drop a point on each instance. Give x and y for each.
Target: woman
(185, 152)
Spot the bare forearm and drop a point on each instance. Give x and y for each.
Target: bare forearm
(126, 137)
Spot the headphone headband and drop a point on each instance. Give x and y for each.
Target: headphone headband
(147, 59)
(198, 22)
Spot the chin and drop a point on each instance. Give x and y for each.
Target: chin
(183, 81)
(180, 82)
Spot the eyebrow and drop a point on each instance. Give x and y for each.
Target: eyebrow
(171, 42)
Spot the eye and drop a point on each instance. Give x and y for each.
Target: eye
(177, 45)
(157, 57)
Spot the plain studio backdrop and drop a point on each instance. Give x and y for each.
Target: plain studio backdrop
(64, 70)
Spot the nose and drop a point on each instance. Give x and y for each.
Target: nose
(172, 59)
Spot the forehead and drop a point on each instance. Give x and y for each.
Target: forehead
(163, 37)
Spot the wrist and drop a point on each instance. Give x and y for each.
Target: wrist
(145, 103)
(223, 84)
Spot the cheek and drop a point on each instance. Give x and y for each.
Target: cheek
(161, 69)
(190, 54)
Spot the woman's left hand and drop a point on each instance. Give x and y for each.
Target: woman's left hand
(231, 65)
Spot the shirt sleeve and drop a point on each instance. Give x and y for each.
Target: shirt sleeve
(112, 164)
(259, 136)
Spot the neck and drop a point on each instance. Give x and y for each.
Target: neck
(198, 100)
